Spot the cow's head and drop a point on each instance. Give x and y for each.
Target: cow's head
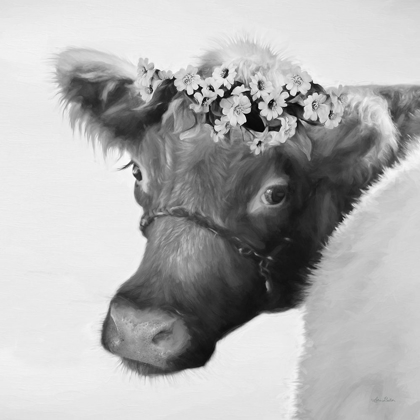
(230, 234)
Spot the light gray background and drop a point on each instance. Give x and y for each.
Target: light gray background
(68, 221)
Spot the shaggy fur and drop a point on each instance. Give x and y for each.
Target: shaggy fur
(200, 279)
(362, 315)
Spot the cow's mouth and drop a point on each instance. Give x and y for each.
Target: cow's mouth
(145, 369)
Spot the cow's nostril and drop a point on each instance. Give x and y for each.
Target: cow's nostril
(161, 336)
(172, 338)
(147, 335)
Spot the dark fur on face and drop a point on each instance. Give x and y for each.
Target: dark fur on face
(191, 279)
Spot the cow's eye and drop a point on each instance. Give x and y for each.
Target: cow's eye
(274, 195)
(137, 172)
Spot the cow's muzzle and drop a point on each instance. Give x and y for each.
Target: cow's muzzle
(150, 336)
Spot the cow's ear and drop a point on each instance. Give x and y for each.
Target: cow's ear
(101, 94)
(360, 146)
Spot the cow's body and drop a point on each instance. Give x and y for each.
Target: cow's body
(218, 253)
(361, 358)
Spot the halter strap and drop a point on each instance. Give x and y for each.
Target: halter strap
(206, 223)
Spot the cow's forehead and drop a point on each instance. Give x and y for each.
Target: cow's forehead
(203, 175)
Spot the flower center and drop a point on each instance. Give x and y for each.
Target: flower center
(187, 79)
(260, 85)
(272, 104)
(142, 71)
(315, 105)
(297, 80)
(238, 110)
(224, 73)
(224, 128)
(332, 115)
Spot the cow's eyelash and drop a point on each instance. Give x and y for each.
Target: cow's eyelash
(131, 163)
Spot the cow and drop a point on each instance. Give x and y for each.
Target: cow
(243, 167)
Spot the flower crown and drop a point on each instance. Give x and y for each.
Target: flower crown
(271, 114)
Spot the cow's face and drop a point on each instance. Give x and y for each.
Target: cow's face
(194, 285)
(229, 234)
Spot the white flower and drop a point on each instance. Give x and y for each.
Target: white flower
(212, 86)
(272, 105)
(336, 106)
(239, 90)
(145, 71)
(274, 139)
(316, 108)
(225, 73)
(260, 86)
(336, 91)
(335, 114)
(221, 127)
(333, 119)
(287, 130)
(163, 75)
(298, 81)
(187, 79)
(337, 99)
(204, 102)
(147, 91)
(235, 109)
(259, 143)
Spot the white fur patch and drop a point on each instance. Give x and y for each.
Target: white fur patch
(249, 57)
(362, 315)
